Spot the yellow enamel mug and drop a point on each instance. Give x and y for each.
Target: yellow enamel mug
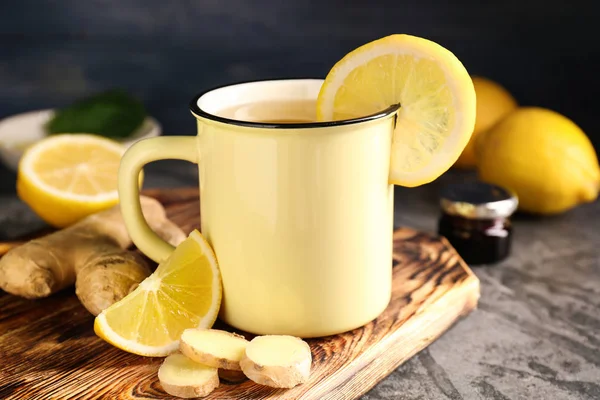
(300, 215)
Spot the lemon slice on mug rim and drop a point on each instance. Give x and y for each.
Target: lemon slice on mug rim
(435, 93)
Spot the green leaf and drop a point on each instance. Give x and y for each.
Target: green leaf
(114, 114)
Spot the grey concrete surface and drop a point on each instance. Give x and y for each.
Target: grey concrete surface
(535, 334)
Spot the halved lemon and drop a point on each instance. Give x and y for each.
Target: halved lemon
(184, 292)
(64, 178)
(435, 93)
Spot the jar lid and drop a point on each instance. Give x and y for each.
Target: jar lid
(478, 200)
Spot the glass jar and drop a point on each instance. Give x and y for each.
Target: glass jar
(475, 219)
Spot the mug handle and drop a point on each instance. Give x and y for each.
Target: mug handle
(132, 162)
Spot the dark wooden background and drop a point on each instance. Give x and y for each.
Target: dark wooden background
(54, 51)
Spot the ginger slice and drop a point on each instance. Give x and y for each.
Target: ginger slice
(278, 361)
(181, 377)
(213, 347)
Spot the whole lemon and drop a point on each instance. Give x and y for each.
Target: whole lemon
(544, 157)
(492, 104)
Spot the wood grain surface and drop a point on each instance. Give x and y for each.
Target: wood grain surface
(49, 351)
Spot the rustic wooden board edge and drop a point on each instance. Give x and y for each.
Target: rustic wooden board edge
(370, 369)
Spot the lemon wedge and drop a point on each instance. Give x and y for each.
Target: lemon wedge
(184, 292)
(435, 93)
(64, 178)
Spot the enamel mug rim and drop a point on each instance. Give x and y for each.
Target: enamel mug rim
(199, 112)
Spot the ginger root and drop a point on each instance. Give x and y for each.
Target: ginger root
(181, 377)
(213, 347)
(278, 361)
(5, 247)
(91, 253)
(106, 278)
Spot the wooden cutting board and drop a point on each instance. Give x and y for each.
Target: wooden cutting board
(48, 349)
